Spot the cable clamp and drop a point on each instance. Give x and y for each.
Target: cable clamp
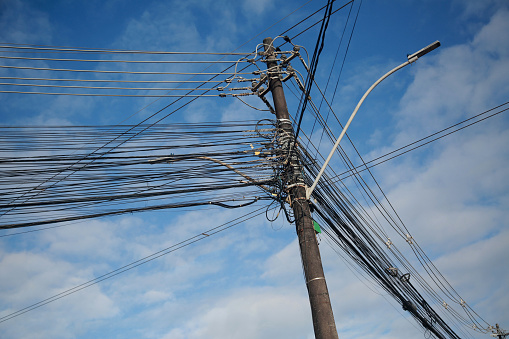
(392, 271)
(409, 239)
(388, 243)
(405, 277)
(463, 303)
(444, 304)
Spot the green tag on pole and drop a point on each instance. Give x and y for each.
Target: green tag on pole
(317, 227)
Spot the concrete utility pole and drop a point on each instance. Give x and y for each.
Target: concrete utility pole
(321, 310)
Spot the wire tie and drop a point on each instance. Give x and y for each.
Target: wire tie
(297, 184)
(409, 239)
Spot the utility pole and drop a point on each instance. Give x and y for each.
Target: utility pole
(321, 309)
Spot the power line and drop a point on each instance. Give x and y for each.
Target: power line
(122, 72)
(157, 112)
(363, 167)
(314, 64)
(111, 80)
(110, 88)
(126, 95)
(128, 61)
(88, 50)
(430, 269)
(221, 155)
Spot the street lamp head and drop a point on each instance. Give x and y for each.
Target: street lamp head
(424, 51)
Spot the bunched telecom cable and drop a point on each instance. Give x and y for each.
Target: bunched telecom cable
(224, 156)
(190, 73)
(454, 313)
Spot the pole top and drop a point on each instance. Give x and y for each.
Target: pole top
(267, 41)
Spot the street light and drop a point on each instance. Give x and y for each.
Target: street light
(411, 58)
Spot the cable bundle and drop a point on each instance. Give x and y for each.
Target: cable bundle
(54, 174)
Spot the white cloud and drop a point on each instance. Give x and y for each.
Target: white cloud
(22, 23)
(453, 195)
(242, 283)
(459, 82)
(256, 7)
(251, 313)
(32, 276)
(474, 8)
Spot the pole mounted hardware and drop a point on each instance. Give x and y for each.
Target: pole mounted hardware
(321, 310)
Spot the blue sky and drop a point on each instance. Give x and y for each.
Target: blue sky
(452, 194)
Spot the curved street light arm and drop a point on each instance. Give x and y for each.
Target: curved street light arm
(412, 58)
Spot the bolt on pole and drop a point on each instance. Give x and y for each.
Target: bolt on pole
(321, 309)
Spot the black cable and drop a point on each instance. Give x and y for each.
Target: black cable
(314, 64)
(358, 168)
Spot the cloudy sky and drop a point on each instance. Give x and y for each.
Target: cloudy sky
(247, 282)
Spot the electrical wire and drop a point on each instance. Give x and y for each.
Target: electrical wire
(119, 72)
(125, 61)
(191, 164)
(314, 64)
(112, 80)
(425, 141)
(437, 278)
(156, 113)
(108, 51)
